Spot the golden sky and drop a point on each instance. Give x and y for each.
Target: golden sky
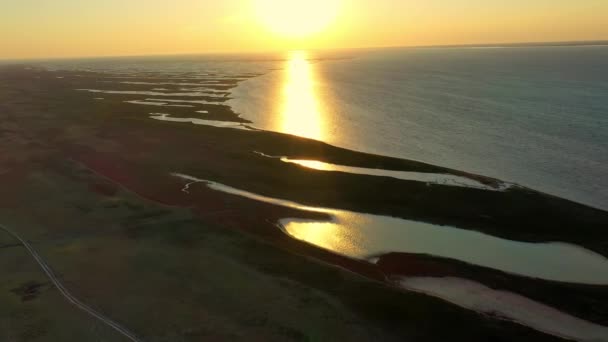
(70, 28)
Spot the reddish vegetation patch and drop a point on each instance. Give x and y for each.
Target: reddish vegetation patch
(131, 170)
(117, 170)
(12, 182)
(105, 189)
(218, 208)
(28, 291)
(404, 264)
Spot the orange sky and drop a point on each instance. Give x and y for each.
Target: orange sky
(67, 28)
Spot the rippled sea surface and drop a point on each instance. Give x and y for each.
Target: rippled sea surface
(533, 116)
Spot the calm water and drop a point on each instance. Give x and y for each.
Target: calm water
(533, 116)
(363, 236)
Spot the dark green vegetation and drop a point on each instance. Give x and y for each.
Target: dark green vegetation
(87, 181)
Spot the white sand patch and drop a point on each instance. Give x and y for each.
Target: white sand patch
(185, 101)
(509, 306)
(206, 90)
(162, 83)
(153, 93)
(154, 103)
(214, 123)
(200, 84)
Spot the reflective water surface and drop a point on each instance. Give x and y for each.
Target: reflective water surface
(300, 112)
(361, 235)
(531, 116)
(429, 178)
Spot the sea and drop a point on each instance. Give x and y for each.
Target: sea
(535, 116)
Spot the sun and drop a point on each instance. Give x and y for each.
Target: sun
(296, 18)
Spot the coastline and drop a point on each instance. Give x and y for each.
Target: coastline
(118, 141)
(521, 127)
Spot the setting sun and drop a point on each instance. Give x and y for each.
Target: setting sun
(296, 18)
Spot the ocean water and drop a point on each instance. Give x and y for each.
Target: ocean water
(533, 116)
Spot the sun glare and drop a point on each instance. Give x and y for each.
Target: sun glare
(296, 18)
(301, 111)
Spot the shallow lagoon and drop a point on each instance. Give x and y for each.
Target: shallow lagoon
(364, 236)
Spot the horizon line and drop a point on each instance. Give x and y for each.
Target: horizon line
(473, 45)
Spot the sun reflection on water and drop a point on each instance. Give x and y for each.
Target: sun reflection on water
(300, 113)
(311, 164)
(332, 236)
(362, 236)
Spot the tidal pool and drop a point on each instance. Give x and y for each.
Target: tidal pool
(429, 178)
(362, 236)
